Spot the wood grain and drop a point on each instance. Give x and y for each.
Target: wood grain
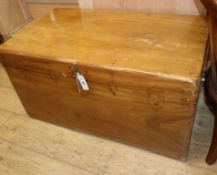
(124, 41)
(75, 148)
(10, 100)
(63, 145)
(13, 158)
(5, 81)
(169, 116)
(98, 155)
(141, 102)
(4, 116)
(192, 7)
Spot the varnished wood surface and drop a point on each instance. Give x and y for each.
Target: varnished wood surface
(144, 111)
(26, 149)
(190, 7)
(132, 98)
(169, 46)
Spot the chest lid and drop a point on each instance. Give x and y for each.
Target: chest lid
(171, 46)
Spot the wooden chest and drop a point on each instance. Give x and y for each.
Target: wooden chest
(142, 70)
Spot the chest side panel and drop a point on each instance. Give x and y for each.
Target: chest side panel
(139, 109)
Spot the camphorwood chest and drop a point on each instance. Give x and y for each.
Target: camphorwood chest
(142, 74)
